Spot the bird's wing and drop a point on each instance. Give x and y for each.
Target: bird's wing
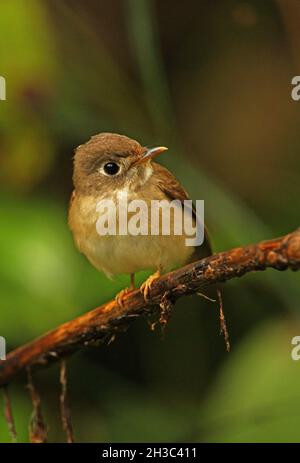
(173, 189)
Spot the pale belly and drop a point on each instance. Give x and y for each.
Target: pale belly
(124, 254)
(130, 254)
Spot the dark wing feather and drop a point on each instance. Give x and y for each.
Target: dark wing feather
(172, 188)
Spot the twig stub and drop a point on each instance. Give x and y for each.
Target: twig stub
(9, 416)
(64, 403)
(37, 427)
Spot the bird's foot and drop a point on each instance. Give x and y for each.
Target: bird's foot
(119, 298)
(146, 286)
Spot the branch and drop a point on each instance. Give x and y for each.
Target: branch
(101, 324)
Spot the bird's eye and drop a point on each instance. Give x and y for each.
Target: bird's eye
(111, 168)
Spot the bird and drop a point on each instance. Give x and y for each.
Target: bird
(107, 167)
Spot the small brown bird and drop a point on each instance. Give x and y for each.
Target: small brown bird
(106, 167)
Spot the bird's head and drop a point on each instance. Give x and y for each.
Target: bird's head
(110, 161)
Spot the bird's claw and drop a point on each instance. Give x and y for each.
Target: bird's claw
(119, 298)
(146, 286)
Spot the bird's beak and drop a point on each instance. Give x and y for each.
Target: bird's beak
(150, 154)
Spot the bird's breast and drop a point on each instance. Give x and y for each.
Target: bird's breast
(125, 252)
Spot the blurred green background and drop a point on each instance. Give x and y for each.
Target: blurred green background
(212, 81)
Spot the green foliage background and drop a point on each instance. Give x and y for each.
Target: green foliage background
(210, 80)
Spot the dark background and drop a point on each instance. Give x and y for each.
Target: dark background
(212, 81)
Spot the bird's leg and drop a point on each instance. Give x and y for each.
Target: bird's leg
(120, 296)
(131, 287)
(146, 286)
